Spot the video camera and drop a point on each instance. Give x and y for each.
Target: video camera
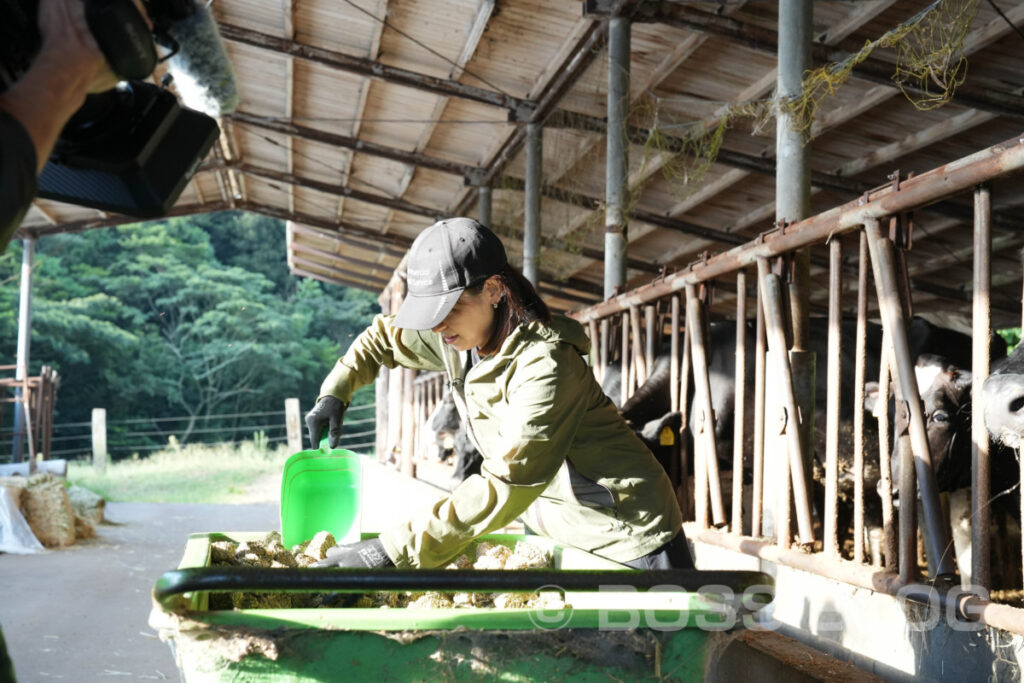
(132, 149)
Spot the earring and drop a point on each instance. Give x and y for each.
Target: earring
(494, 305)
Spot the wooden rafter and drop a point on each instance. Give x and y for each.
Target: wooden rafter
(517, 107)
(828, 120)
(112, 220)
(475, 33)
(364, 95)
(288, 16)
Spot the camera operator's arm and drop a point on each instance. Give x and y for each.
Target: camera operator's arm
(34, 110)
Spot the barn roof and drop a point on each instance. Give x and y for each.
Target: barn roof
(362, 121)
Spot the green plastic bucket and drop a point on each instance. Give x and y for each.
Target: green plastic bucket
(320, 490)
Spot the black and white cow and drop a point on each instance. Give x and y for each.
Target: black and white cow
(945, 389)
(1004, 399)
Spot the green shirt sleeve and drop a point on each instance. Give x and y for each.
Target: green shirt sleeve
(381, 344)
(537, 425)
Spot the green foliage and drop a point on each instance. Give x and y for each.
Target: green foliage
(1011, 335)
(189, 316)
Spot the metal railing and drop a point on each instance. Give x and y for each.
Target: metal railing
(780, 484)
(72, 440)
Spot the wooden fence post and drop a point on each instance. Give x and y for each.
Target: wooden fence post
(293, 424)
(99, 440)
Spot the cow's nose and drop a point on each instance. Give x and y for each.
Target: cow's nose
(1004, 403)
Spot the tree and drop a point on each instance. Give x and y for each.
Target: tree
(149, 321)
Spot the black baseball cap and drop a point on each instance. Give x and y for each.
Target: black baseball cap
(445, 259)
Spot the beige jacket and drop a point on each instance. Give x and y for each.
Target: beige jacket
(555, 449)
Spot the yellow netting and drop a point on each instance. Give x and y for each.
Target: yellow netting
(684, 149)
(682, 137)
(930, 61)
(930, 65)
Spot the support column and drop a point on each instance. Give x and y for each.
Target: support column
(24, 342)
(484, 205)
(617, 163)
(793, 172)
(531, 236)
(792, 203)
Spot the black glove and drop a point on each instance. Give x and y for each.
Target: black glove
(367, 554)
(328, 413)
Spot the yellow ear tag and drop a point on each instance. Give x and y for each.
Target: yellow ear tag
(667, 437)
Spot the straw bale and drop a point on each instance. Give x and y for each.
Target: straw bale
(48, 511)
(319, 545)
(84, 527)
(87, 504)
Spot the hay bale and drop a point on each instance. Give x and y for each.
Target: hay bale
(16, 485)
(84, 527)
(87, 504)
(48, 511)
(319, 545)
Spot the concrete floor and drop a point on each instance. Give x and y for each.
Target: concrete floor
(81, 613)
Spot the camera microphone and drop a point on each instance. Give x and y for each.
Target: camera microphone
(202, 72)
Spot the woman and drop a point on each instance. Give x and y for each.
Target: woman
(555, 449)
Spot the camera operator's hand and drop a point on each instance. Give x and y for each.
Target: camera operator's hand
(68, 67)
(34, 110)
(67, 39)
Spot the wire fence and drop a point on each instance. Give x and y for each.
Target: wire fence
(141, 436)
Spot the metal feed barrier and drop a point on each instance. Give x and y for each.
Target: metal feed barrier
(780, 484)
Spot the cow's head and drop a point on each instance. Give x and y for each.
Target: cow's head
(1004, 399)
(445, 417)
(946, 395)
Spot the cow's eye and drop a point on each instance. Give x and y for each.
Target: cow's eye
(940, 416)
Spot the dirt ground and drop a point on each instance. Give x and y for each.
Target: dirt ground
(81, 613)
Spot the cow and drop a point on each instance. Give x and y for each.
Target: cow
(648, 409)
(945, 389)
(1003, 391)
(651, 402)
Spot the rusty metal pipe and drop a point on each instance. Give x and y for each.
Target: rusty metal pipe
(908, 509)
(595, 353)
(674, 361)
(758, 464)
(602, 351)
(639, 370)
(860, 360)
(883, 265)
(685, 499)
(624, 359)
(777, 336)
(980, 474)
(674, 470)
(835, 342)
(650, 339)
(885, 452)
(939, 183)
(739, 403)
(702, 399)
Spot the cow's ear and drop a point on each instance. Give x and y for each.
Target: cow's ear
(961, 378)
(871, 397)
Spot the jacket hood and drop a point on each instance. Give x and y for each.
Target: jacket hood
(561, 329)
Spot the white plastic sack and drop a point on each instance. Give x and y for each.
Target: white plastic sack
(15, 535)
